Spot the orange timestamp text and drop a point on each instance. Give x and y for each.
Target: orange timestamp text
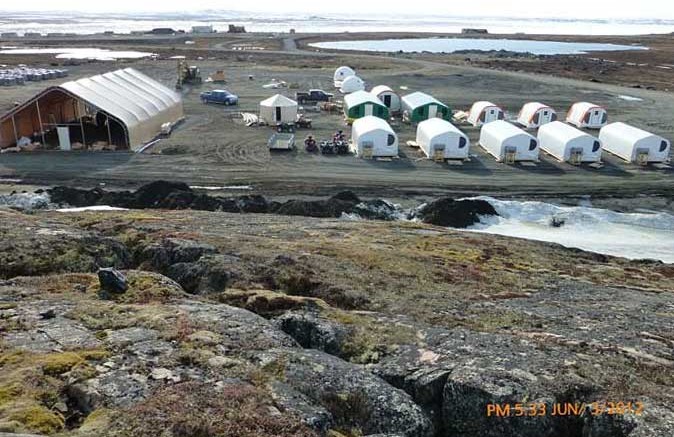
(533, 409)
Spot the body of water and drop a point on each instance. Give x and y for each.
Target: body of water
(51, 22)
(450, 45)
(78, 53)
(630, 235)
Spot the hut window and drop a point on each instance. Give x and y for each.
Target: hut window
(536, 118)
(532, 145)
(501, 116)
(663, 145)
(462, 142)
(483, 115)
(604, 117)
(391, 140)
(586, 119)
(553, 117)
(422, 111)
(596, 146)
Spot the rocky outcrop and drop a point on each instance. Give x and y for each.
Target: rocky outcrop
(454, 213)
(335, 206)
(158, 194)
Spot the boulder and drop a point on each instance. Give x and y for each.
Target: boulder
(153, 194)
(313, 332)
(210, 274)
(347, 196)
(335, 206)
(169, 251)
(112, 280)
(315, 416)
(355, 398)
(454, 213)
(377, 209)
(74, 196)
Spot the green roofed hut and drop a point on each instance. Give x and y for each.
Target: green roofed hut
(420, 106)
(361, 104)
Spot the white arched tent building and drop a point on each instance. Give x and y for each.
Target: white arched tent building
(508, 143)
(633, 144)
(586, 114)
(440, 140)
(129, 109)
(568, 144)
(342, 73)
(388, 97)
(373, 137)
(352, 84)
(536, 114)
(484, 112)
(278, 109)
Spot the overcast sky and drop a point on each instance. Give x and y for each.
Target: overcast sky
(505, 8)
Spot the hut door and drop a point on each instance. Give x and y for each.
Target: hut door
(368, 149)
(432, 111)
(438, 152)
(576, 156)
(278, 113)
(595, 119)
(387, 100)
(369, 109)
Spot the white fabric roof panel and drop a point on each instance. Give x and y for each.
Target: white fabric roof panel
(360, 97)
(418, 98)
(278, 100)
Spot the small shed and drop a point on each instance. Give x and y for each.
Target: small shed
(388, 97)
(536, 114)
(373, 137)
(633, 144)
(508, 143)
(420, 106)
(484, 112)
(278, 109)
(342, 73)
(440, 140)
(588, 115)
(352, 84)
(361, 104)
(568, 144)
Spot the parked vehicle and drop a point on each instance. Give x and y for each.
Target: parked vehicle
(313, 96)
(285, 128)
(281, 141)
(302, 122)
(222, 97)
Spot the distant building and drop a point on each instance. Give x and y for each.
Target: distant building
(202, 29)
(472, 31)
(292, 31)
(236, 29)
(162, 31)
(9, 35)
(32, 34)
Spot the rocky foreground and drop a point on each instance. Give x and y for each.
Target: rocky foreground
(284, 325)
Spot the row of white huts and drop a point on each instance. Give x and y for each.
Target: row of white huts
(536, 114)
(441, 140)
(420, 106)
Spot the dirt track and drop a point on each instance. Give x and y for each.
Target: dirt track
(210, 149)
